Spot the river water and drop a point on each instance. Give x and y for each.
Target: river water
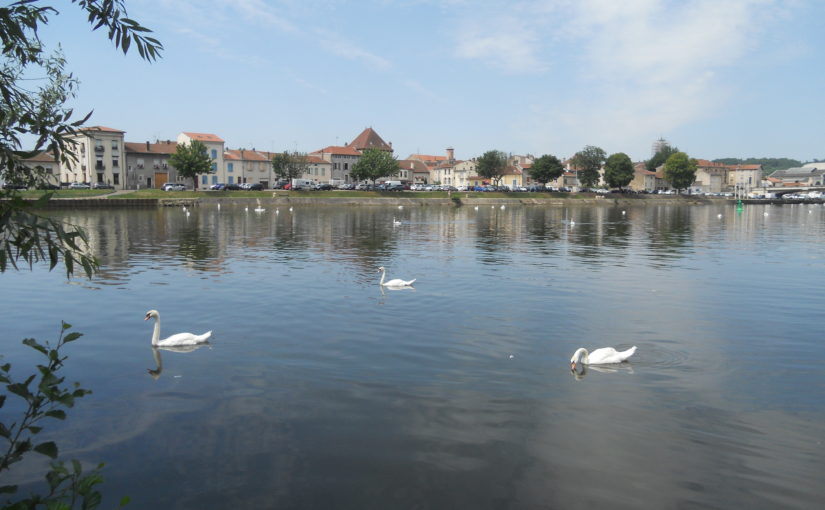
(321, 390)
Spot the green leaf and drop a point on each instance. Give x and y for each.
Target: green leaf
(31, 342)
(56, 413)
(71, 337)
(124, 501)
(48, 448)
(8, 489)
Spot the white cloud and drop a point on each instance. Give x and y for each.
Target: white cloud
(506, 44)
(337, 45)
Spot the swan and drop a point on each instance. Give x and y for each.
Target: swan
(395, 222)
(600, 356)
(397, 282)
(174, 340)
(475, 208)
(502, 207)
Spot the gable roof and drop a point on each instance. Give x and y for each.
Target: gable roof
(369, 139)
(203, 137)
(167, 147)
(414, 165)
(101, 128)
(336, 149)
(42, 157)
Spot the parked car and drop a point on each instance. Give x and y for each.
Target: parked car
(79, 185)
(47, 185)
(256, 186)
(233, 187)
(173, 186)
(218, 187)
(11, 185)
(324, 186)
(102, 185)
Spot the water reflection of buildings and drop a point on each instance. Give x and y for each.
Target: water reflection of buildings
(213, 240)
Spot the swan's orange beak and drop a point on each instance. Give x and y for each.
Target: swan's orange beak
(572, 365)
(146, 318)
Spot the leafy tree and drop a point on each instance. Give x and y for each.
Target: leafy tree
(44, 399)
(660, 157)
(680, 170)
(41, 113)
(191, 160)
(290, 165)
(492, 165)
(618, 170)
(546, 168)
(29, 111)
(589, 161)
(374, 164)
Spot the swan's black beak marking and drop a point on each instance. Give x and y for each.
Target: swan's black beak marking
(573, 366)
(146, 318)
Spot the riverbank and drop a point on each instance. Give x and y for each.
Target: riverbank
(154, 198)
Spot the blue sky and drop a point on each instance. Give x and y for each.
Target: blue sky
(717, 78)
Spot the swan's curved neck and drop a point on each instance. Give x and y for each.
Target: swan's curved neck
(582, 353)
(383, 273)
(156, 333)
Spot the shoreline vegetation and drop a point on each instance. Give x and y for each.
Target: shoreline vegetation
(152, 198)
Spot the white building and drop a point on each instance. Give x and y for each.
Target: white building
(99, 155)
(215, 149)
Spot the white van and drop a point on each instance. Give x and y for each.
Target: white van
(302, 184)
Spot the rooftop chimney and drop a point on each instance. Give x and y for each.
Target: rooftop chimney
(450, 154)
(147, 145)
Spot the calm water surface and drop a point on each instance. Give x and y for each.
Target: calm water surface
(321, 391)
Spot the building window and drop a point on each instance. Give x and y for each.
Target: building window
(214, 154)
(114, 163)
(214, 179)
(230, 167)
(231, 179)
(214, 167)
(116, 178)
(203, 180)
(114, 145)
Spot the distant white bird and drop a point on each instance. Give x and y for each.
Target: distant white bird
(277, 211)
(719, 215)
(572, 223)
(174, 340)
(219, 206)
(400, 207)
(492, 207)
(502, 207)
(259, 209)
(600, 356)
(476, 208)
(624, 212)
(246, 209)
(765, 213)
(290, 209)
(395, 222)
(394, 282)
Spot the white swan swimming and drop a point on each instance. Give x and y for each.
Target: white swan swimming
(174, 340)
(600, 356)
(397, 282)
(395, 222)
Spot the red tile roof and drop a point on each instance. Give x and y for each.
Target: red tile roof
(42, 157)
(317, 161)
(341, 151)
(203, 137)
(244, 155)
(167, 147)
(101, 128)
(369, 139)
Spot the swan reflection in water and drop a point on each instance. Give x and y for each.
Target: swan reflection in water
(155, 373)
(614, 369)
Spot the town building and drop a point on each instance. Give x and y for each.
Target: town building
(215, 149)
(98, 156)
(147, 164)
